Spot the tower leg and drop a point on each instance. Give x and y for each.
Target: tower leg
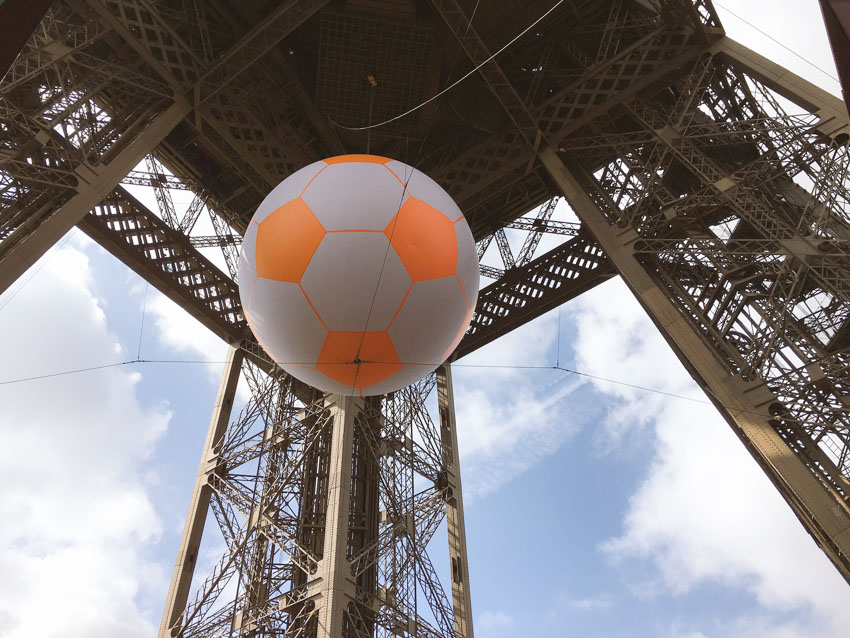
(326, 534)
(461, 600)
(333, 587)
(187, 555)
(807, 478)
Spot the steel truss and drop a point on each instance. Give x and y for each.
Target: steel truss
(727, 216)
(720, 147)
(713, 181)
(326, 510)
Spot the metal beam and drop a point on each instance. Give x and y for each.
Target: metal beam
(608, 83)
(523, 294)
(836, 17)
(193, 530)
(455, 522)
(461, 28)
(744, 404)
(830, 109)
(95, 181)
(252, 46)
(238, 127)
(166, 258)
(333, 587)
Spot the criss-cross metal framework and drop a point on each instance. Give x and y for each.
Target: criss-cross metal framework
(713, 181)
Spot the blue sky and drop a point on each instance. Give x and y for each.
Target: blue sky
(593, 509)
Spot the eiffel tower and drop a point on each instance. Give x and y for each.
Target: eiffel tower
(712, 180)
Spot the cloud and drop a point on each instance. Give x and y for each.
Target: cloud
(488, 620)
(78, 521)
(705, 512)
(615, 340)
(509, 419)
(180, 332)
(749, 626)
(767, 26)
(588, 603)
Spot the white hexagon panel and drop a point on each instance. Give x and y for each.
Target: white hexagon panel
(358, 275)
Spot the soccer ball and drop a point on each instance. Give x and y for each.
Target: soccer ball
(358, 275)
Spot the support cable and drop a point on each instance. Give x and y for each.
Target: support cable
(454, 365)
(456, 82)
(34, 271)
(782, 44)
(386, 255)
(558, 346)
(142, 326)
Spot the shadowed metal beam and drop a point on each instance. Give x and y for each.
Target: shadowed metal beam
(836, 17)
(19, 19)
(526, 293)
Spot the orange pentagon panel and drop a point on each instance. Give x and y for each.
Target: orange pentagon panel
(424, 240)
(358, 359)
(372, 159)
(286, 241)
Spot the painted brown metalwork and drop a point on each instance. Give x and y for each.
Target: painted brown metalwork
(836, 16)
(684, 156)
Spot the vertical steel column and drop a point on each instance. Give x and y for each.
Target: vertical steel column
(334, 586)
(744, 403)
(461, 600)
(187, 555)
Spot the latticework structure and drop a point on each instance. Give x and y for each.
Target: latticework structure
(713, 181)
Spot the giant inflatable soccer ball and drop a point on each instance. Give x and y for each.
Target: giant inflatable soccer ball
(358, 274)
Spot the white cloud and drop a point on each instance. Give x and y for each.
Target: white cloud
(617, 341)
(755, 626)
(588, 603)
(767, 25)
(488, 620)
(509, 419)
(705, 512)
(78, 521)
(749, 626)
(179, 331)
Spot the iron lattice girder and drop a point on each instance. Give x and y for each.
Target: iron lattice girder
(86, 166)
(543, 284)
(240, 125)
(256, 43)
(742, 297)
(257, 472)
(811, 484)
(760, 320)
(831, 272)
(608, 83)
(171, 262)
(219, 139)
(627, 203)
(166, 258)
(535, 228)
(461, 27)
